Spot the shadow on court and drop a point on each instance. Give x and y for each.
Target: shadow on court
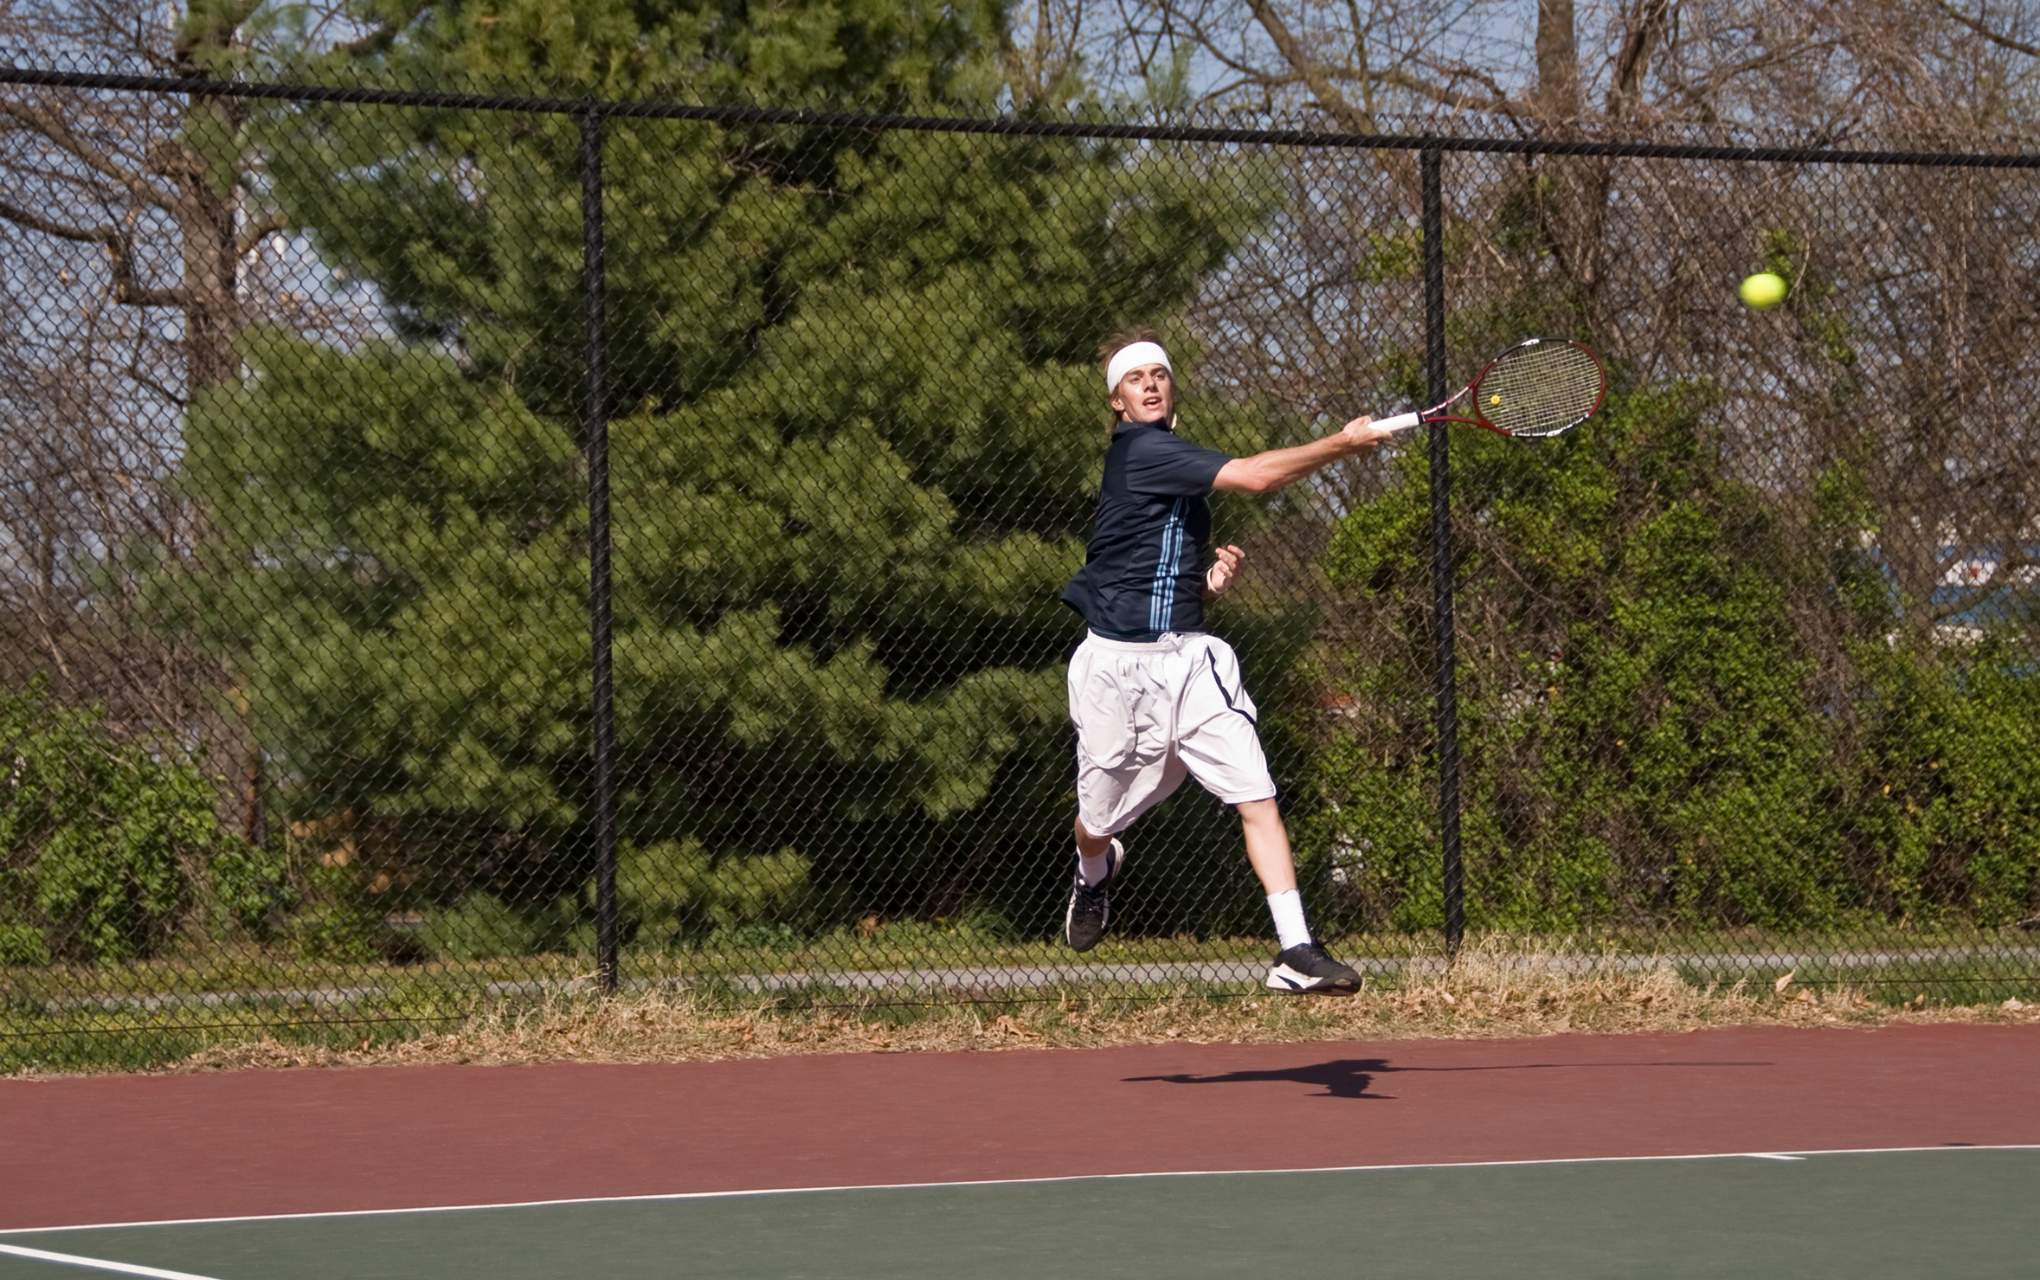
(1350, 1077)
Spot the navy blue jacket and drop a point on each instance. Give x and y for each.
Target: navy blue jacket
(1143, 570)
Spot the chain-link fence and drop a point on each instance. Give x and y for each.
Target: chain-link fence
(460, 547)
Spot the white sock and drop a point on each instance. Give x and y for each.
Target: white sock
(1287, 908)
(1095, 869)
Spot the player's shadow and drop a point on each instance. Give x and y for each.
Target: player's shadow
(1350, 1077)
(1341, 1078)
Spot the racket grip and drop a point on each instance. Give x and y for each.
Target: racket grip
(1400, 422)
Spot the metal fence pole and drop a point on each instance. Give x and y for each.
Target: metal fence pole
(597, 439)
(1441, 548)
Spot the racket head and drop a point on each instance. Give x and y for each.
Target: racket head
(1539, 387)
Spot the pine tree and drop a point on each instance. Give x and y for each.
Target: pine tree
(856, 433)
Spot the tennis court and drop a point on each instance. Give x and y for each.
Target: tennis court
(1743, 1151)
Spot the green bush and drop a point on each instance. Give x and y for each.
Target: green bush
(1941, 781)
(345, 933)
(343, 923)
(482, 926)
(335, 933)
(97, 834)
(675, 890)
(1665, 746)
(22, 945)
(249, 888)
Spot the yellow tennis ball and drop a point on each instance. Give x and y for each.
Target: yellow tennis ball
(1496, 398)
(1762, 290)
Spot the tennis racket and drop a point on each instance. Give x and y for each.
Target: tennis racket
(1539, 387)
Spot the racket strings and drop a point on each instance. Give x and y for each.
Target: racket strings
(1540, 390)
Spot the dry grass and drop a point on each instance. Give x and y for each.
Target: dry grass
(1490, 993)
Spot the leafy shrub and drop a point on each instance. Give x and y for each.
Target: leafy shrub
(97, 833)
(675, 889)
(249, 887)
(482, 926)
(339, 933)
(344, 924)
(1940, 782)
(22, 945)
(1686, 739)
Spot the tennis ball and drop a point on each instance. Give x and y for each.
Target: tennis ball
(1762, 290)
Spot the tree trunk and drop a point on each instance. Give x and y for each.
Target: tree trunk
(208, 171)
(1558, 63)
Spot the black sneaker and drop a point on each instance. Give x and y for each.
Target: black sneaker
(1091, 905)
(1309, 968)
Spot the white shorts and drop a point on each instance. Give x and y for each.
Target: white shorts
(1150, 713)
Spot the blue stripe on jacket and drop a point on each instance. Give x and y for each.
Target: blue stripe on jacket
(1162, 600)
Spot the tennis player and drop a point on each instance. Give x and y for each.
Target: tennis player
(1155, 697)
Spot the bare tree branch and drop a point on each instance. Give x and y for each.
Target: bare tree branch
(1643, 24)
(1498, 98)
(1308, 69)
(257, 231)
(58, 132)
(1718, 77)
(22, 217)
(127, 288)
(1995, 37)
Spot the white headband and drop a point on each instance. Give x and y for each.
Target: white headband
(1133, 357)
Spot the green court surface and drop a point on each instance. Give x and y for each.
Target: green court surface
(1966, 1212)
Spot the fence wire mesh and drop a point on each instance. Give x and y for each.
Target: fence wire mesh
(302, 399)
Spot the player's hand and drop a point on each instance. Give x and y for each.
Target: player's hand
(1361, 434)
(1220, 575)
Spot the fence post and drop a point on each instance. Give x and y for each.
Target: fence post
(601, 707)
(1447, 696)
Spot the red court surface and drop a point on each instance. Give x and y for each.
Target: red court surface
(140, 1148)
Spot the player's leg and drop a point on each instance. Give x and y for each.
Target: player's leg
(1094, 854)
(1221, 747)
(1123, 770)
(1274, 866)
(1089, 908)
(1302, 963)
(1108, 802)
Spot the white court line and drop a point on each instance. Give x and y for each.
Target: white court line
(662, 1197)
(98, 1264)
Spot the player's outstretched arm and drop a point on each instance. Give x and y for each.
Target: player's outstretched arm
(1270, 470)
